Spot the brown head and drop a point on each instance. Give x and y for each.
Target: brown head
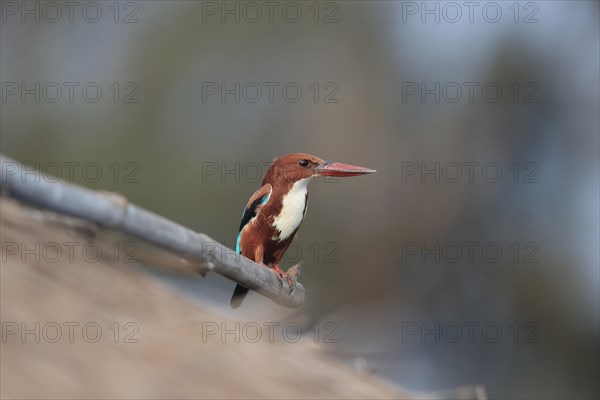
(293, 167)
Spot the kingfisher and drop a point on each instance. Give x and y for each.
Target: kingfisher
(276, 210)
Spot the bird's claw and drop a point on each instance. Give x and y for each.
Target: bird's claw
(294, 273)
(290, 282)
(281, 275)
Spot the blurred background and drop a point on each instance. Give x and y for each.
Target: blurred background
(470, 257)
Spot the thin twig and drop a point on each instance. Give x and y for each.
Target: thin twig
(113, 211)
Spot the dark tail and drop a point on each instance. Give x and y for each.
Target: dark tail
(239, 294)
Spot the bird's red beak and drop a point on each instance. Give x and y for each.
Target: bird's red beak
(332, 168)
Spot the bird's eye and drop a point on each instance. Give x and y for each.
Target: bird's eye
(304, 163)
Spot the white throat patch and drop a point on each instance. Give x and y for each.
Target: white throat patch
(292, 210)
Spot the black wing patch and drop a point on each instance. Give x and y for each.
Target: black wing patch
(250, 212)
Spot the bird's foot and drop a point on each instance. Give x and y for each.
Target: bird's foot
(281, 275)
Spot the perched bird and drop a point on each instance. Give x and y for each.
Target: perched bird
(276, 210)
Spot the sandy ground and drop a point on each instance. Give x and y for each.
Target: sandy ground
(77, 327)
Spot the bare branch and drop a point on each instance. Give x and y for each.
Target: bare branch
(113, 211)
